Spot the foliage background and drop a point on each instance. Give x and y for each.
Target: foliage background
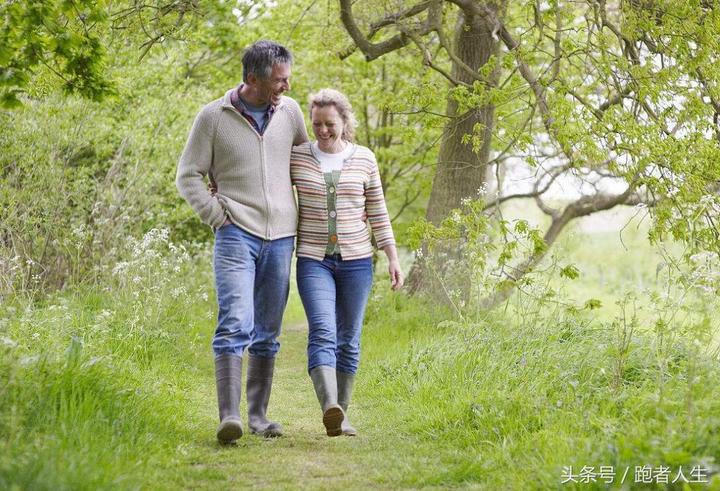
(606, 355)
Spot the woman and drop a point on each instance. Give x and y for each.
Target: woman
(339, 193)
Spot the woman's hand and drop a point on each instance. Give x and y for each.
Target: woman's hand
(397, 279)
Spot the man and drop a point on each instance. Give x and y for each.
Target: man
(242, 142)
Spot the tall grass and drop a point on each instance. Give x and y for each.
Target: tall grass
(93, 382)
(514, 398)
(109, 388)
(508, 405)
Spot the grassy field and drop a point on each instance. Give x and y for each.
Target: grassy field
(111, 387)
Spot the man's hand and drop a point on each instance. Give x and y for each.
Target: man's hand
(212, 187)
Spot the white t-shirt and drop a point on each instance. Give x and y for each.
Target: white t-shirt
(332, 161)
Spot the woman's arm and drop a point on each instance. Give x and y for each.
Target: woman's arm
(380, 223)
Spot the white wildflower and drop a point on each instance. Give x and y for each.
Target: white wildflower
(707, 199)
(176, 292)
(8, 342)
(79, 232)
(120, 267)
(29, 360)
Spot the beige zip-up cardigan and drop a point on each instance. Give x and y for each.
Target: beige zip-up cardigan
(251, 171)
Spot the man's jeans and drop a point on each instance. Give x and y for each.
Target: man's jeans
(334, 293)
(252, 282)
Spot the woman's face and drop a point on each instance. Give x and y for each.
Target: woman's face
(327, 125)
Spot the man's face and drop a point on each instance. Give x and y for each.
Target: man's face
(268, 91)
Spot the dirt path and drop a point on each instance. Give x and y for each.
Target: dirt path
(304, 458)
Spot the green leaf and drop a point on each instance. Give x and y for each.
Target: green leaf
(9, 100)
(570, 272)
(592, 304)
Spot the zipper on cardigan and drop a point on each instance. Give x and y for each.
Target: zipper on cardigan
(265, 189)
(262, 165)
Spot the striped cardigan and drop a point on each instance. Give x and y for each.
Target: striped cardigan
(359, 193)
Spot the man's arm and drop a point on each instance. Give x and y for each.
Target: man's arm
(194, 165)
(301, 135)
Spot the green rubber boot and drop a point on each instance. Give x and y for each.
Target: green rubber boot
(325, 384)
(259, 382)
(345, 383)
(228, 380)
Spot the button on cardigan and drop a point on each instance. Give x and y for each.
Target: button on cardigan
(330, 181)
(359, 193)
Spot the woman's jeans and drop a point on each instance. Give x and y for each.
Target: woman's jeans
(334, 293)
(252, 279)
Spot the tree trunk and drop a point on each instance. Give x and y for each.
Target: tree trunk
(461, 171)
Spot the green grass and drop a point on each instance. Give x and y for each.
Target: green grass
(113, 388)
(507, 406)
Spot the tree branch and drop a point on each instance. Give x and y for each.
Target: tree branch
(428, 61)
(394, 18)
(580, 208)
(373, 51)
(456, 60)
(553, 173)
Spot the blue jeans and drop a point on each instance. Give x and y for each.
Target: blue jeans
(334, 293)
(252, 279)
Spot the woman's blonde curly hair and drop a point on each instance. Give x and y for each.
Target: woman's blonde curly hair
(332, 97)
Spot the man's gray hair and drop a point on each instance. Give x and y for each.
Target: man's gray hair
(260, 57)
